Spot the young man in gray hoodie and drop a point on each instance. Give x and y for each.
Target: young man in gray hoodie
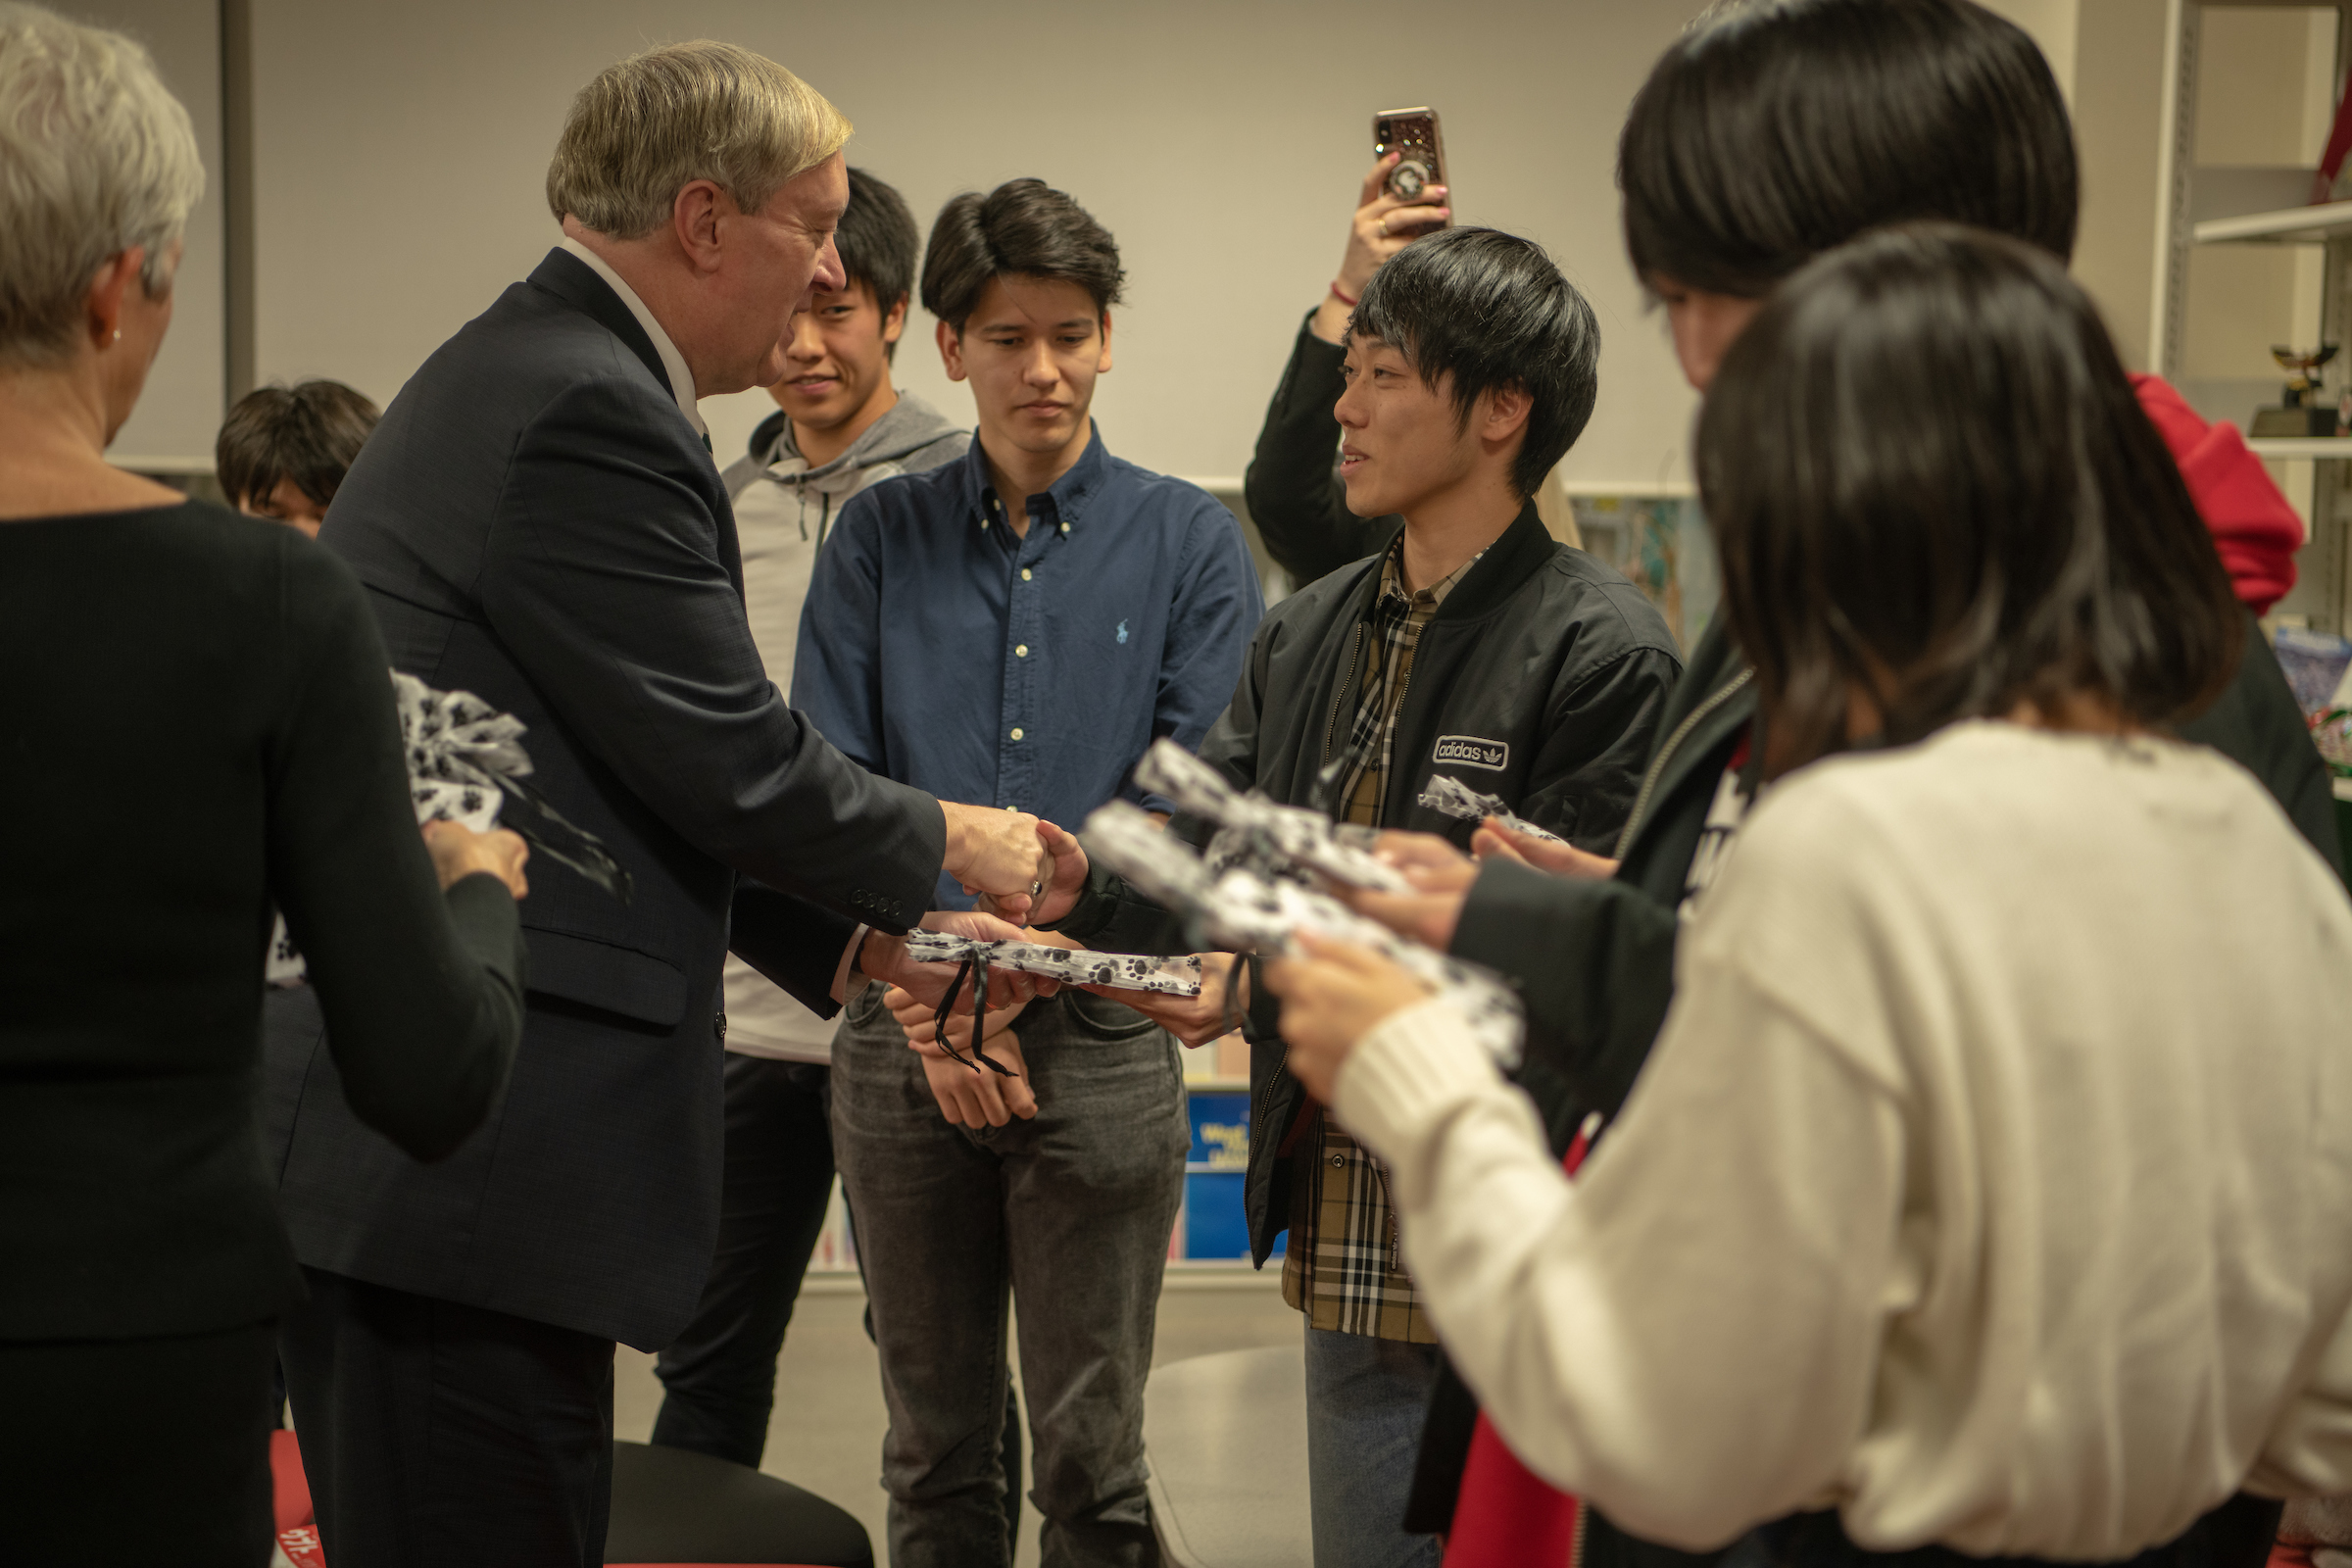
(840, 427)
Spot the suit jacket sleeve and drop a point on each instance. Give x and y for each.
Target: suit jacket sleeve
(1296, 502)
(603, 575)
(1593, 963)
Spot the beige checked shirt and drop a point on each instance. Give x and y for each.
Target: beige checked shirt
(1342, 1268)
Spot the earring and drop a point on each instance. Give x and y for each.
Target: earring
(117, 334)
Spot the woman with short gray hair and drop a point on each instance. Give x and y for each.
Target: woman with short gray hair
(205, 728)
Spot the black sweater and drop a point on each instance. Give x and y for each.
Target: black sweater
(201, 726)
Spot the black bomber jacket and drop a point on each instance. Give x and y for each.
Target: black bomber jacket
(1540, 678)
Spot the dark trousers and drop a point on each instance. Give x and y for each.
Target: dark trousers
(124, 1454)
(719, 1377)
(442, 1436)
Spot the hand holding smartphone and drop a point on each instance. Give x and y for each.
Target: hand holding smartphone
(1403, 197)
(1413, 135)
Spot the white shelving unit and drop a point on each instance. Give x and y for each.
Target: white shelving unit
(2205, 207)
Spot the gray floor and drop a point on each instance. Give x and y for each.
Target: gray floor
(827, 1431)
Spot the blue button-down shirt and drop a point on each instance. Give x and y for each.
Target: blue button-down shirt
(941, 650)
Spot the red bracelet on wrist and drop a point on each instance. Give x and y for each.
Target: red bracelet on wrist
(1340, 294)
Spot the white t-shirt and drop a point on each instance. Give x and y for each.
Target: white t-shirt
(1991, 1181)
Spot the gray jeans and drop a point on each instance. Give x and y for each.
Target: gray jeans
(1071, 1213)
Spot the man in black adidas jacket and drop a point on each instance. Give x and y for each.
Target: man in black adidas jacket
(1474, 645)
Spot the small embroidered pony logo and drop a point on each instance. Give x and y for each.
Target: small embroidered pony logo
(1122, 631)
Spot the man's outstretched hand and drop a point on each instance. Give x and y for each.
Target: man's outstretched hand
(885, 959)
(997, 854)
(1060, 879)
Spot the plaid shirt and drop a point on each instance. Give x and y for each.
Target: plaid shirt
(1342, 1268)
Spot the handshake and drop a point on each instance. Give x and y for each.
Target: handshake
(1018, 866)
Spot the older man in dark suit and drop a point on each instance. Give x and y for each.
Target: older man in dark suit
(539, 521)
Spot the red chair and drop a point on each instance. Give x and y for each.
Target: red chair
(296, 1520)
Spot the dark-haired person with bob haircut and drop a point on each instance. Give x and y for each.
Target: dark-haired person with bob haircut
(1474, 645)
(1768, 132)
(1978, 1199)
(283, 449)
(1018, 626)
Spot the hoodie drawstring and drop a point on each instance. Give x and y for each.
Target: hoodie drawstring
(824, 516)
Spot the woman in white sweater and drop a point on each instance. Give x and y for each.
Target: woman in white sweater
(1991, 1186)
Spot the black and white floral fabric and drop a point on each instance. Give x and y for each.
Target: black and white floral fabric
(467, 764)
(1129, 971)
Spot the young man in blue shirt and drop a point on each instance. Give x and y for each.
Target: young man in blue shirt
(1025, 622)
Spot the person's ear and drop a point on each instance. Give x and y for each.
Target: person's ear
(951, 351)
(1102, 364)
(1506, 411)
(696, 217)
(103, 306)
(893, 320)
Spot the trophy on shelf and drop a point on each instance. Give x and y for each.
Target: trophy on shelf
(2302, 410)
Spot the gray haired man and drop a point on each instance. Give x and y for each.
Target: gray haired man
(538, 520)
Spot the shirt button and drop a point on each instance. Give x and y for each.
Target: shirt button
(1024, 575)
(1021, 651)
(1337, 1160)
(1065, 527)
(1016, 734)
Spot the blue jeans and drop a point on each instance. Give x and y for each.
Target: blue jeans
(1070, 1214)
(1365, 1401)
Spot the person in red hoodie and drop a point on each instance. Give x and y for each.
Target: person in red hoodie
(1770, 132)
(2253, 527)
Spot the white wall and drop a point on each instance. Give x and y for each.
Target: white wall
(400, 151)
(181, 410)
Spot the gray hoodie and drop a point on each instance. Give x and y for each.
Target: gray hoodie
(783, 510)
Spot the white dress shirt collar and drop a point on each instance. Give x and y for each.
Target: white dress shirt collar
(681, 379)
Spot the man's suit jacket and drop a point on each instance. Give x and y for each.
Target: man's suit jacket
(537, 523)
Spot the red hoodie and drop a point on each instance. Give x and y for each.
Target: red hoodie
(1507, 1517)
(2253, 527)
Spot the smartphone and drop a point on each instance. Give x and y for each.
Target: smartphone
(1413, 134)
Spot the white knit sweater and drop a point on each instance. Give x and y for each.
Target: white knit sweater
(1991, 1180)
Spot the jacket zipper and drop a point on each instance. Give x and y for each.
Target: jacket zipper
(1576, 1534)
(1682, 732)
(1355, 653)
